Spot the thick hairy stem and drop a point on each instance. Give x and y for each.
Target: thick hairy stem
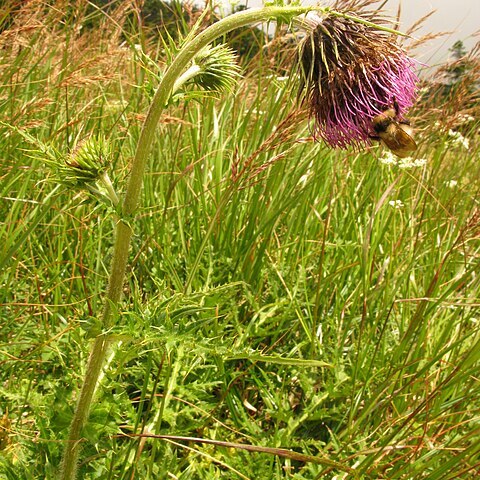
(94, 367)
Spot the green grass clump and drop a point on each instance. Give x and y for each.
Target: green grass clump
(280, 294)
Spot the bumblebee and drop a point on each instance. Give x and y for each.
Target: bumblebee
(395, 134)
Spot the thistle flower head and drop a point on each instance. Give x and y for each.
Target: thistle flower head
(351, 72)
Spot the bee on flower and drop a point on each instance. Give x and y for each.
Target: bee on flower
(352, 73)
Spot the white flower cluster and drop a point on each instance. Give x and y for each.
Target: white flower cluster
(465, 118)
(396, 203)
(458, 139)
(389, 158)
(410, 162)
(451, 183)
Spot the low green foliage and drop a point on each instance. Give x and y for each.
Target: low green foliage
(280, 294)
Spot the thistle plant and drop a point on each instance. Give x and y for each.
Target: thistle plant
(350, 72)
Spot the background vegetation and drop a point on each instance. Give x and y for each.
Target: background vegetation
(280, 294)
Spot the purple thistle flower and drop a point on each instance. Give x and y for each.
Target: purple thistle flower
(350, 73)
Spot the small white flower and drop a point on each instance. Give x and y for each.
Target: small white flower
(458, 139)
(388, 158)
(454, 134)
(396, 203)
(420, 162)
(451, 183)
(410, 162)
(406, 162)
(465, 118)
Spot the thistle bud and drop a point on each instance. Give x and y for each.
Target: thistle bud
(217, 68)
(87, 162)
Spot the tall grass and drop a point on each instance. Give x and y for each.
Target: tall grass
(280, 294)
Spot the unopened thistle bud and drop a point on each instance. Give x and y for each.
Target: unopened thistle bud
(213, 69)
(87, 162)
(351, 72)
(218, 68)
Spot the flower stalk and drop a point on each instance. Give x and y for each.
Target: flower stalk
(191, 73)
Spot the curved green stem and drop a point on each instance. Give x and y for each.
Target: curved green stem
(123, 232)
